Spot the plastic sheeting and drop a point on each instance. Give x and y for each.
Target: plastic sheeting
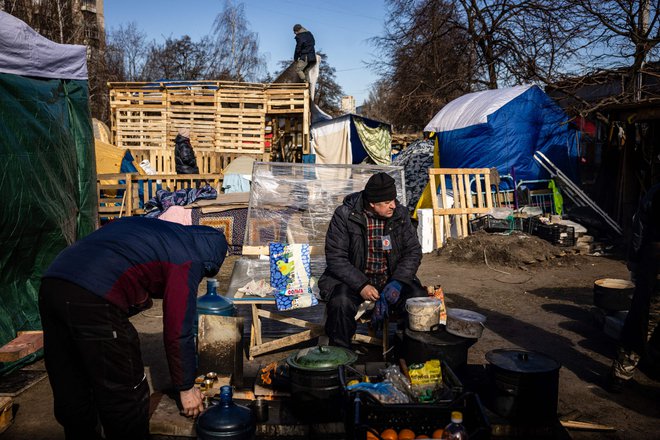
(504, 128)
(48, 178)
(294, 203)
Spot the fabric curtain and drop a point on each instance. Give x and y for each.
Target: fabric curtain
(376, 141)
(332, 143)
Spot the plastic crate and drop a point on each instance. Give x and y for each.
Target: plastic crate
(557, 234)
(489, 223)
(364, 413)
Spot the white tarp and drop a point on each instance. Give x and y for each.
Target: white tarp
(331, 142)
(24, 52)
(472, 109)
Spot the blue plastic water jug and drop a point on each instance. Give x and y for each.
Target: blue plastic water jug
(214, 304)
(226, 420)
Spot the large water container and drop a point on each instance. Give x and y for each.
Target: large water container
(214, 304)
(226, 420)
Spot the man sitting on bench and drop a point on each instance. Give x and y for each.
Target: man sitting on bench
(372, 255)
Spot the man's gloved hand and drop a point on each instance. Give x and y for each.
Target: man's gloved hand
(392, 291)
(390, 295)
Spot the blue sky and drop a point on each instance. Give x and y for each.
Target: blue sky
(341, 29)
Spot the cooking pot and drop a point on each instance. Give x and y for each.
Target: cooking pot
(316, 389)
(526, 385)
(420, 347)
(314, 371)
(613, 294)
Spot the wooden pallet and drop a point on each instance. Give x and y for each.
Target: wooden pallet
(223, 116)
(464, 207)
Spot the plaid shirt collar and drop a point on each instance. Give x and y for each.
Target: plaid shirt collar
(376, 264)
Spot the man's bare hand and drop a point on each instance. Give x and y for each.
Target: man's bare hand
(369, 293)
(191, 400)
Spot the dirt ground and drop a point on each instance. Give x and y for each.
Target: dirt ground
(535, 297)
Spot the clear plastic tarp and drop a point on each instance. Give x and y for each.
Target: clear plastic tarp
(294, 202)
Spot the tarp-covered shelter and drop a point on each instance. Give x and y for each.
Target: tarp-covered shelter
(350, 139)
(503, 128)
(47, 166)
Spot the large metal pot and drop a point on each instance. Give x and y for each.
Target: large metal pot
(526, 385)
(613, 294)
(420, 347)
(316, 389)
(314, 372)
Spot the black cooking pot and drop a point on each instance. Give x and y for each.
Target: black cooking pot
(613, 294)
(526, 385)
(420, 347)
(314, 371)
(316, 390)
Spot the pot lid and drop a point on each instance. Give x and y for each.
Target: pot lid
(465, 315)
(438, 337)
(321, 358)
(522, 361)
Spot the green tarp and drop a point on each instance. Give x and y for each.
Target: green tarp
(48, 186)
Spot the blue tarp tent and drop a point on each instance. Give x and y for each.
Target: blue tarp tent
(503, 128)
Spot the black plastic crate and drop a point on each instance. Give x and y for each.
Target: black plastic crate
(364, 413)
(489, 223)
(557, 234)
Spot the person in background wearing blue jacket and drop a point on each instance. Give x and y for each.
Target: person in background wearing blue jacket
(92, 350)
(305, 55)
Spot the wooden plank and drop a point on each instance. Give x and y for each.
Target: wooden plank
(288, 319)
(460, 211)
(287, 341)
(23, 345)
(587, 426)
(6, 413)
(459, 171)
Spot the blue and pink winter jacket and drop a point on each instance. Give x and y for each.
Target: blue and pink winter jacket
(134, 259)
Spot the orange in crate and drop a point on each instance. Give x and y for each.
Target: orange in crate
(389, 434)
(406, 434)
(438, 433)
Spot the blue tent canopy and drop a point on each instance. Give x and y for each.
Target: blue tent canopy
(503, 128)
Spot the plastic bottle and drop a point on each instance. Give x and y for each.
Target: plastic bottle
(455, 430)
(226, 420)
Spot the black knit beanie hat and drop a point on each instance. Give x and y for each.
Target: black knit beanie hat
(380, 188)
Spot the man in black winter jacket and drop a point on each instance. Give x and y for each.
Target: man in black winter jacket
(304, 56)
(184, 155)
(372, 255)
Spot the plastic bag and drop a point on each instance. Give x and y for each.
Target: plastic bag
(384, 392)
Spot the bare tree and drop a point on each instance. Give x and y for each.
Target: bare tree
(423, 61)
(177, 59)
(234, 49)
(128, 47)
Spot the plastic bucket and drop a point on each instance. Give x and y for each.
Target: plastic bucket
(465, 323)
(423, 313)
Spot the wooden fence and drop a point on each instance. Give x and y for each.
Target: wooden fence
(124, 194)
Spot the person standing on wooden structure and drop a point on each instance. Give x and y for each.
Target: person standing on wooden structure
(184, 155)
(91, 349)
(372, 254)
(640, 336)
(305, 55)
